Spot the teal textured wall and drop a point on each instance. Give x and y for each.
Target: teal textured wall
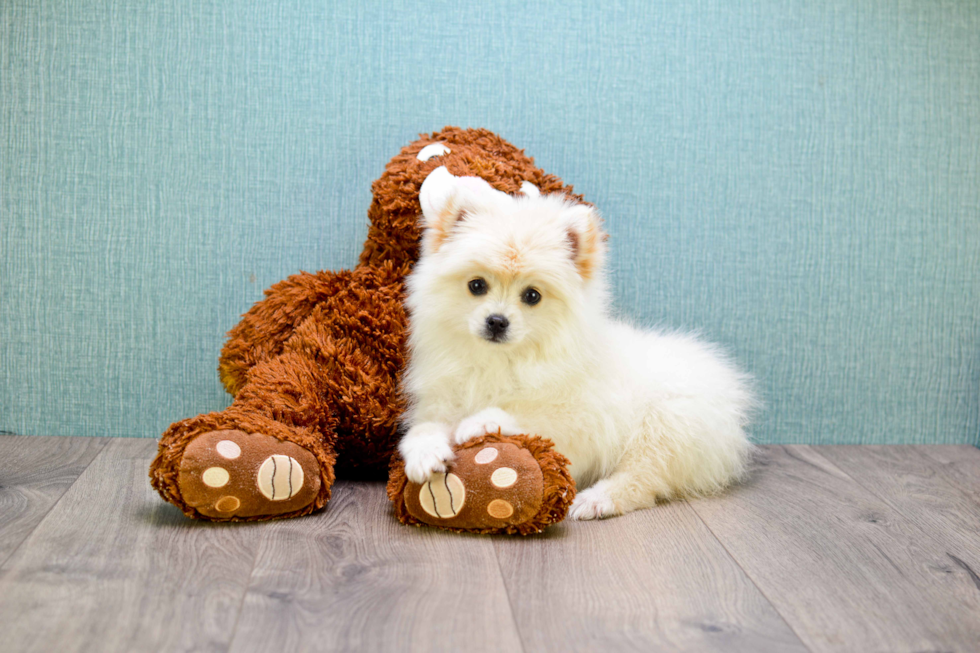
(798, 180)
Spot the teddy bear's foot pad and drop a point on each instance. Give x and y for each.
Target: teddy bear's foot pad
(232, 474)
(487, 487)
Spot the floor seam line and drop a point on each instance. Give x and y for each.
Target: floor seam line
(248, 587)
(510, 604)
(732, 557)
(10, 556)
(888, 502)
(931, 462)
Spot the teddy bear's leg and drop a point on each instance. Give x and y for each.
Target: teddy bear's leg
(237, 465)
(264, 330)
(270, 454)
(332, 391)
(496, 484)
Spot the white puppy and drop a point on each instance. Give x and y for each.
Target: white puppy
(510, 329)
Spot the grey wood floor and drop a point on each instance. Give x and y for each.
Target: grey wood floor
(839, 548)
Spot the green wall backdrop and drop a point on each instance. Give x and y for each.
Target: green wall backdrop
(798, 180)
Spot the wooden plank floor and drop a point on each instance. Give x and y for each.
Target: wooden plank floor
(824, 549)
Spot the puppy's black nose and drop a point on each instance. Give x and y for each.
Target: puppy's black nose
(497, 324)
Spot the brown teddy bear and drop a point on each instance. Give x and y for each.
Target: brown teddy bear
(314, 370)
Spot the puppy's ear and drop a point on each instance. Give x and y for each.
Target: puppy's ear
(529, 189)
(445, 199)
(438, 198)
(585, 239)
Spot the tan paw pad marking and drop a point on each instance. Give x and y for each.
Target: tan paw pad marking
(228, 449)
(280, 477)
(486, 455)
(227, 504)
(442, 496)
(215, 477)
(503, 477)
(500, 509)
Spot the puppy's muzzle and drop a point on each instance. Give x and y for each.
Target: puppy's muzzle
(496, 330)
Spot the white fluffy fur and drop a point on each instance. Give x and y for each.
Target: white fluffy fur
(643, 416)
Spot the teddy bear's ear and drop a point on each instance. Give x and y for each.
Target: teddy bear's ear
(585, 238)
(445, 199)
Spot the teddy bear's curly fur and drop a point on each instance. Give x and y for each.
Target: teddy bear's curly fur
(316, 363)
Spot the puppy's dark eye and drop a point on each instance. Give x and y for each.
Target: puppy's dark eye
(530, 296)
(478, 286)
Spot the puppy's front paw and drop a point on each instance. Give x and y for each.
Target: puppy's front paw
(594, 503)
(491, 420)
(425, 450)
